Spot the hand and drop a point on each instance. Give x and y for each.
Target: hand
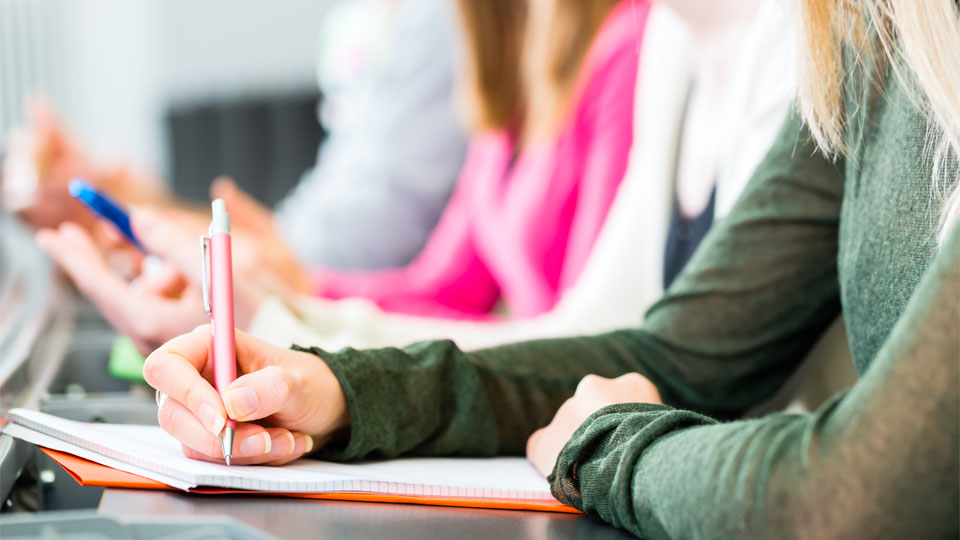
(258, 272)
(260, 251)
(154, 307)
(41, 159)
(592, 394)
(294, 398)
(150, 309)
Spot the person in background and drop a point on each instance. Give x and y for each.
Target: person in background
(854, 209)
(533, 194)
(396, 137)
(549, 151)
(704, 73)
(384, 174)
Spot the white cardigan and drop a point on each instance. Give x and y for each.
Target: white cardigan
(623, 275)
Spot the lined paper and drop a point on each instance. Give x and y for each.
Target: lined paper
(150, 452)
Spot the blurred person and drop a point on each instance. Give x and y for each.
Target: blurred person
(531, 198)
(382, 177)
(550, 148)
(396, 137)
(701, 77)
(855, 209)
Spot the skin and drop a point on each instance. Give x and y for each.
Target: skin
(592, 394)
(291, 395)
(171, 295)
(286, 402)
(169, 301)
(42, 159)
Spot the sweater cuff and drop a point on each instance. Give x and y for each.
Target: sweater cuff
(359, 443)
(594, 471)
(421, 400)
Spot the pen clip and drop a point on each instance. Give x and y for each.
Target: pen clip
(205, 278)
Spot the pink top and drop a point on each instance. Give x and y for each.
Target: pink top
(522, 232)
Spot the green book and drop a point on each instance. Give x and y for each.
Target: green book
(125, 361)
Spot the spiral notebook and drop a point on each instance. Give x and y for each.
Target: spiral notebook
(149, 452)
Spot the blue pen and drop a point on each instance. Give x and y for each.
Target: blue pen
(104, 207)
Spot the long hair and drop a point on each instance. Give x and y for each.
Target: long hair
(555, 48)
(522, 66)
(919, 40)
(491, 87)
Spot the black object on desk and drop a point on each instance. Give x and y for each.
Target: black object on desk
(265, 143)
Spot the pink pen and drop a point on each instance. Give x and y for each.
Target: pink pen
(218, 303)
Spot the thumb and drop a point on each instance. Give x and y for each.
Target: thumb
(259, 394)
(245, 211)
(171, 240)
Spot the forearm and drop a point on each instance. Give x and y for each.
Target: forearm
(434, 399)
(878, 462)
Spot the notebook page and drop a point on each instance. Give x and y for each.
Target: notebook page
(484, 478)
(150, 452)
(157, 455)
(40, 439)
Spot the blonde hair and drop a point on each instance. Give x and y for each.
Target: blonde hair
(521, 71)
(923, 35)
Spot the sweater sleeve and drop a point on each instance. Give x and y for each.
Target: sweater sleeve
(726, 336)
(448, 278)
(878, 462)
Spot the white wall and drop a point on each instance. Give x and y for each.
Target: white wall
(125, 61)
(258, 46)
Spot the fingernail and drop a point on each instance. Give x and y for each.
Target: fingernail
(240, 403)
(281, 450)
(309, 444)
(256, 445)
(153, 265)
(212, 420)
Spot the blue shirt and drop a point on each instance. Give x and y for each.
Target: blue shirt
(395, 145)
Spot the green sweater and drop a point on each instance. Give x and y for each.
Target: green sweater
(807, 240)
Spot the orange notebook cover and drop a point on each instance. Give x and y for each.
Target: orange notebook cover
(88, 473)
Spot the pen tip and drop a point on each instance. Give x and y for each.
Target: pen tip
(226, 442)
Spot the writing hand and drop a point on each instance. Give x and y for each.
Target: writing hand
(286, 402)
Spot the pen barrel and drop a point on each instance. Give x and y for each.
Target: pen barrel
(105, 208)
(221, 303)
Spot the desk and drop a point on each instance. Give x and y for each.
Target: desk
(302, 518)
